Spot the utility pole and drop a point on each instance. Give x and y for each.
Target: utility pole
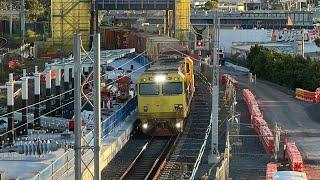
(94, 16)
(214, 155)
(11, 18)
(22, 21)
(77, 105)
(22, 27)
(97, 106)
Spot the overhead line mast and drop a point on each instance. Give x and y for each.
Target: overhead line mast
(214, 155)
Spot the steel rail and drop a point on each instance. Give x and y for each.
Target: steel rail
(165, 160)
(136, 159)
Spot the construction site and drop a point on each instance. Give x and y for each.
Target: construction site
(135, 89)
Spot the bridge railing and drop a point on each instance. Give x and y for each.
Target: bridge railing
(136, 4)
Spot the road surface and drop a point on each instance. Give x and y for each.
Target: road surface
(299, 120)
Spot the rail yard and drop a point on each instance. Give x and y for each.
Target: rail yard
(167, 89)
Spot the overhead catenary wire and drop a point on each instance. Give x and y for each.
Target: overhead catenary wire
(31, 105)
(29, 121)
(68, 91)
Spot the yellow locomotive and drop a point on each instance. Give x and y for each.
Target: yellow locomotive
(165, 91)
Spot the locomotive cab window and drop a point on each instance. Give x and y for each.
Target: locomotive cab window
(172, 88)
(149, 89)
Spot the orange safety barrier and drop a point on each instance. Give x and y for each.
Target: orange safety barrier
(308, 96)
(260, 125)
(318, 95)
(251, 103)
(258, 122)
(271, 169)
(266, 138)
(294, 157)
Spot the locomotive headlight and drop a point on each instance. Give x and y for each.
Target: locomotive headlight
(178, 106)
(145, 108)
(178, 125)
(160, 78)
(145, 125)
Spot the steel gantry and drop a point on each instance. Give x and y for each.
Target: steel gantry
(83, 160)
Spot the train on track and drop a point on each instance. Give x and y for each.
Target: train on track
(166, 89)
(165, 92)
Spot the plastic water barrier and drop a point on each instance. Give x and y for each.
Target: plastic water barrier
(59, 167)
(257, 120)
(294, 157)
(271, 169)
(308, 96)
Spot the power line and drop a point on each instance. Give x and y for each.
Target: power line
(71, 101)
(68, 91)
(53, 97)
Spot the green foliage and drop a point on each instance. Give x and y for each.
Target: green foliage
(35, 10)
(33, 36)
(212, 4)
(284, 69)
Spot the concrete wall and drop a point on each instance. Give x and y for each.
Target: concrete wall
(229, 36)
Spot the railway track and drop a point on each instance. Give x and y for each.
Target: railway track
(180, 163)
(149, 159)
(140, 158)
(146, 157)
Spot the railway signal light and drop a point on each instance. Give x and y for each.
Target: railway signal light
(199, 42)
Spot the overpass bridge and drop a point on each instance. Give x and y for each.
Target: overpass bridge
(136, 4)
(246, 20)
(72, 16)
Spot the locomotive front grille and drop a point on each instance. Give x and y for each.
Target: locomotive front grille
(162, 125)
(164, 115)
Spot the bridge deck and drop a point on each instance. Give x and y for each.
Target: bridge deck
(136, 4)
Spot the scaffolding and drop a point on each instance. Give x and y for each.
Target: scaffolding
(182, 20)
(69, 17)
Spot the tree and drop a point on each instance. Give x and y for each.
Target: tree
(212, 4)
(34, 10)
(284, 69)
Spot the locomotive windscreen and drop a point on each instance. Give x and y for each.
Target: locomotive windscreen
(149, 89)
(172, 88)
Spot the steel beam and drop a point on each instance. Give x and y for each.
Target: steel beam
(214, 155)
(77, 105)
(97, 107)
